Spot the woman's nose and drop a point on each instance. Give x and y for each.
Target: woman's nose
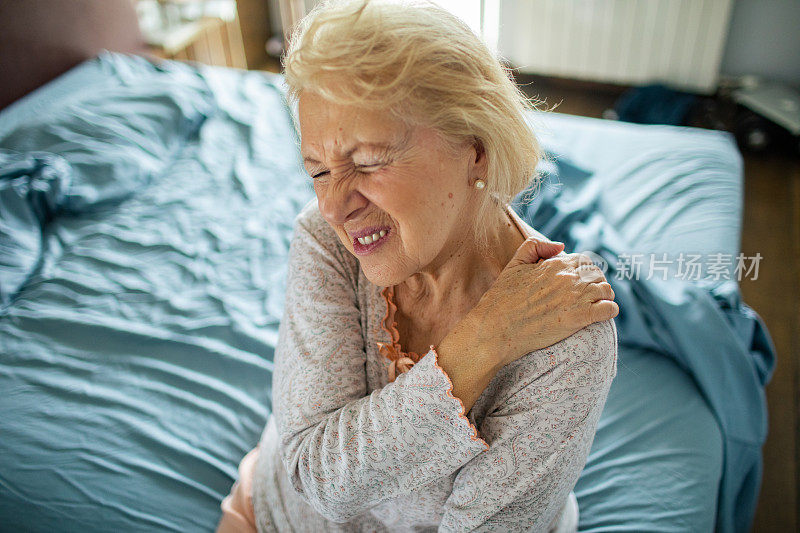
(339, 203)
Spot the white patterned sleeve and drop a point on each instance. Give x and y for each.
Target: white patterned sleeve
(344, 450)
(539, 436)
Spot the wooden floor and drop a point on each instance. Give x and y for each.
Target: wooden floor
(771, 226)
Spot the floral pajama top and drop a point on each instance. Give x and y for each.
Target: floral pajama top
(364, 437)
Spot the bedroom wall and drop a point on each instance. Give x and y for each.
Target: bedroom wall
(764, 40)
(59, 34)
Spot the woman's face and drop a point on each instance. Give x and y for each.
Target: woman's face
(377, 179)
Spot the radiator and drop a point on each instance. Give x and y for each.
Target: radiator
(629, 42)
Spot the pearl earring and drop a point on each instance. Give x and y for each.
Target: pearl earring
(480, 184)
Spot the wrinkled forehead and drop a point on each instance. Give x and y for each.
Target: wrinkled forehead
(328, 126)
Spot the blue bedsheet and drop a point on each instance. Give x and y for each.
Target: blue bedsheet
(703, 326)
(136, 351)
(142, 266)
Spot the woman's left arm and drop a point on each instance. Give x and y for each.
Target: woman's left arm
(539, 436)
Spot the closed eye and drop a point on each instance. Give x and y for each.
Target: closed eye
(370, 166)
(360, 167)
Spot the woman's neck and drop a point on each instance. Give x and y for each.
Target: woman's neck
(463, 272)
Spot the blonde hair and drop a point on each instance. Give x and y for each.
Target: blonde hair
(426, 67)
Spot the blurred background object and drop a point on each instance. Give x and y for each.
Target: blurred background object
(679, 42)
(206, 31)
(769, 106)
(103, 25)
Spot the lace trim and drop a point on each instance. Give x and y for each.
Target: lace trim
(403, 361)
(463, 413)
(400, 361)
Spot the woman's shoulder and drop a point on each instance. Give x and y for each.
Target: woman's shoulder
(588, 357)
(598, 342)
(594, 345)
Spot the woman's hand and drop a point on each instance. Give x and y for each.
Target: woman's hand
(540, 298)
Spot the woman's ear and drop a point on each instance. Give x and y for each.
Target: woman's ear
(480, 163)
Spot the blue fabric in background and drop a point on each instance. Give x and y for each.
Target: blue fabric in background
(116, 143)
(136, 350)
(32, 186)
(655, 104)
(703, 326)
(146, 213)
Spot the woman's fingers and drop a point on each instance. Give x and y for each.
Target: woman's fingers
(547, 249)
(599, 291)
(546, 304)
(534, 249)
(603, 310)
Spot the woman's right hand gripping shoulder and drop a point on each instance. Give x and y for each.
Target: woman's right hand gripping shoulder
(541, 297)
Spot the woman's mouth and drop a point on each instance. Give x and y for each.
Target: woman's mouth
(369, 243)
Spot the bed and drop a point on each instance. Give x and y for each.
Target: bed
(146, 212)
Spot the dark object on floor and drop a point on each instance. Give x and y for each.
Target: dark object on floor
(654, 104)
(756, 133)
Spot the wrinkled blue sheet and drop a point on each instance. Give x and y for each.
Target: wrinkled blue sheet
(136, 355)
(72, 159)
(702, 325)
(32, 186)
(136, 348)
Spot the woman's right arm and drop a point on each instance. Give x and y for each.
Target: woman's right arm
(549, 404)
(344, 450)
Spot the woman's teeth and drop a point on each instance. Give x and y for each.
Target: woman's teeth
(369, 239)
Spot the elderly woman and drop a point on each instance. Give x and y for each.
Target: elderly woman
(440, 364)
